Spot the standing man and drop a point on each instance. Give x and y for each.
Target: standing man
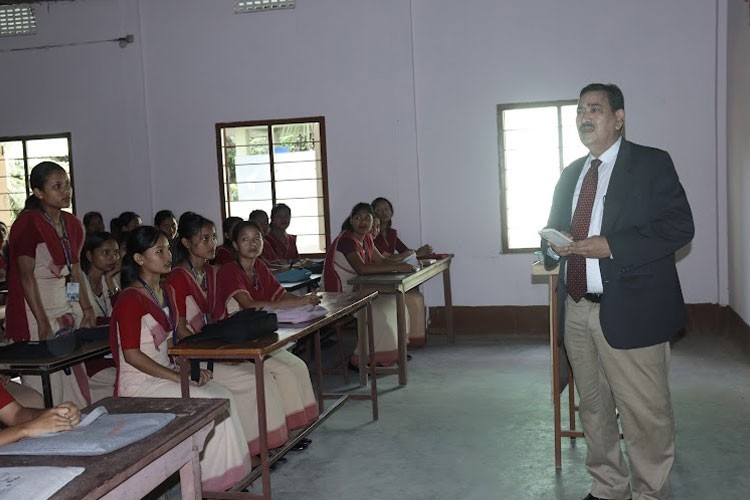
(621, 302)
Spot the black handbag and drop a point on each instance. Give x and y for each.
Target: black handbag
(248, 324)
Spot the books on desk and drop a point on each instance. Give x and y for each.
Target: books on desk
(25, 482)
(95, 435)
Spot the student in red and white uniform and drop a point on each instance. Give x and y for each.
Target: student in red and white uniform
(44, 276)
(143, 320)
(353, 253)
(247, 282)
(194, 283)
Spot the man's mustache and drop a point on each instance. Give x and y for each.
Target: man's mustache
(586, 127)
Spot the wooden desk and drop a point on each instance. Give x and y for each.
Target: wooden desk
(43, 366)
(133, 471)
(557, 354)
(310, 284)
(338, 306)
(399, 284)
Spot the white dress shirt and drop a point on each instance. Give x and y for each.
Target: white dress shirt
(608, 158)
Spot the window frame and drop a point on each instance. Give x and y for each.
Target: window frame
(504, 248)
(320, 120)
(27, 168)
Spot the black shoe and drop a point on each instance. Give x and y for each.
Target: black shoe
(408, 357)
(300, 446)
(306, 441)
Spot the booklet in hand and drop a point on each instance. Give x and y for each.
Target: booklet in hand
(555, 237)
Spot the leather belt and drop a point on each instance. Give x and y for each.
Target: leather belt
(593, 297)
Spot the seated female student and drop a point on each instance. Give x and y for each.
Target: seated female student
(124, 223)
(284, 245)
(166, 222)
(44, 277)
(246, 283)
(142, 322)
(389, 244)
(260, 217)
(93, 222)
(100, 262)
(194, 283)
(225, 253)
(352, 253)
(22, 422)
(388, 241)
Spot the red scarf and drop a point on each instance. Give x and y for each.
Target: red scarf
(34, 221)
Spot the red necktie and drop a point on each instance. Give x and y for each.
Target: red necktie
(579, 229)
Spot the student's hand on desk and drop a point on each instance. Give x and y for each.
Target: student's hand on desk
(70, 410)
(424, 250)
(312, 298)
(593, 247)
(53, 420)
(403, 267)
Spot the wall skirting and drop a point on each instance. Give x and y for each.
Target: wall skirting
(533, 320)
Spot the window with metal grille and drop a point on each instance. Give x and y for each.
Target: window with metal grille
(280, 161)
(535, 142)
(18, 155)
(17, 21)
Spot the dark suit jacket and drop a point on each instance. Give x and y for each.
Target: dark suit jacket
(646, 219)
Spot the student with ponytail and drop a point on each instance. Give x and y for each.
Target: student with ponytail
(44, 276)
(143, 320)
(194, 283)
(124, 223)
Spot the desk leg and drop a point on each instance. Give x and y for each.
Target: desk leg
(47, 390)
(319, 371)
(362, 342)
(260, 392)
(555, 353)
(371, 359)
(190, 473)
(402, 337)
(448, 298)
(184, 364)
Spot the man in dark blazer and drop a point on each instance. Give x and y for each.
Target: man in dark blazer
(619, 295)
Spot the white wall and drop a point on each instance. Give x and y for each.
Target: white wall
(738, 127)
(413, 123)
(471, 56)
(93, 91)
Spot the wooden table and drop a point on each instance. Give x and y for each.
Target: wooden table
(338, 306)
(558, 363)
(133, 471)
(399, 284)
(46, 365)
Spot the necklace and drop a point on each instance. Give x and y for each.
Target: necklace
(251, 274)
(98, 297)
(169, 315)
(200, 280)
